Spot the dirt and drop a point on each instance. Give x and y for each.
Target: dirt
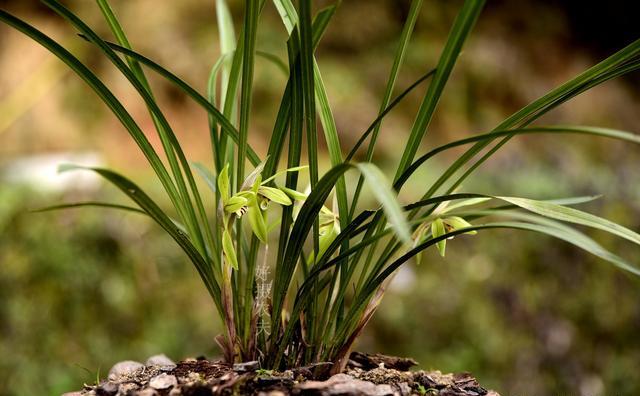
(366, 375)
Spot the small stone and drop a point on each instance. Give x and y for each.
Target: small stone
(163, 381)
(404, 388)
(343, 384)
(160, 360)
(246, 366)
(384, 390)
(72, 394)
(124, 368)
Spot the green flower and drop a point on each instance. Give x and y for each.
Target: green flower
(440, 226)
(253, 199)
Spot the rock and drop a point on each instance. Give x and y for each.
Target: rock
(175, 392)
(160, 360)
(123, 369)
(163, 381)
(404, 388)
(246, 366)
(343, 384)
(273, 380)
(72, 394)
(370, 361)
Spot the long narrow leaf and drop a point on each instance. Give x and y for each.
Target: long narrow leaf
(575, 216)
(89, 204)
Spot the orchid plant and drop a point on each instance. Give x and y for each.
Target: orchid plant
(308, 297)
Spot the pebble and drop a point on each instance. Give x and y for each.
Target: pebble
(126, 367)
(163, 381)
(404, 388)
(160, 360)
(343, 384)
(148, 392)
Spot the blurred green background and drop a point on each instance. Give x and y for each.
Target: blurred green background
(85, 288)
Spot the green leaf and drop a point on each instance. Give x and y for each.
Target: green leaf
(308, 88)
(89, 203)
(282, 119)
(379, 187)
(282, 172)
(575, 216)
(225, 29)
(206, 175)
(287, 13)
(320, 23)
(290, 20)
(333, 142)
(437, 230)
(485, 138)
(250, 29)
(228, 250)
(223, 183)
(567, 234)
(274, 195)
(463, 203)
(308, 215)
(580, 240)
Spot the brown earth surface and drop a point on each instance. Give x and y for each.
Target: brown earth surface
(366, 375)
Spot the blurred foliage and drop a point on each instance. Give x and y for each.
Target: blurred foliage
(84, 288)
